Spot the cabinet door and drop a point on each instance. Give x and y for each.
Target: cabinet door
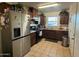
(50, 34)
(42, 20)
(33, 38)
(64, 19)
(59, 35)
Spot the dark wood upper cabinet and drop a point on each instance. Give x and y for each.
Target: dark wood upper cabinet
(42, 19)
(4, 6)
(32, 11)
(64, 17)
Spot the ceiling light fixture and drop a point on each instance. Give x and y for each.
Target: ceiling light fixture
(46, 6)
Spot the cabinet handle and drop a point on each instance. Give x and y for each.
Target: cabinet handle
(73, 38)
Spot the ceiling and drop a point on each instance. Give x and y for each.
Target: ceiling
(63, 5)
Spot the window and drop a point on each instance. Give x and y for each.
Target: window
(52, 21)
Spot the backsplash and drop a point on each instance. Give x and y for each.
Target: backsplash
(62, 27)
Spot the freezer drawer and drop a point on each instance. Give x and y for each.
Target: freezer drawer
(26, 44)
(17, 48)
(21, 46)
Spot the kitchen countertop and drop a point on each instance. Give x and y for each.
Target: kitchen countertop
(32, 32)
(58, 29)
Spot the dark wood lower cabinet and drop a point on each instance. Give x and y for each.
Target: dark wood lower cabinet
(33, 38)
(54, 34)
(49, 34)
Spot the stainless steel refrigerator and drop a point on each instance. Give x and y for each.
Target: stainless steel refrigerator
(20, 43)
(14, 34)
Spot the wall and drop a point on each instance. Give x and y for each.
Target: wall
(72, 22)
(52, 14)
(76, 45)
(74, 29)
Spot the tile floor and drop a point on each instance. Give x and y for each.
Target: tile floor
(47, 48)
